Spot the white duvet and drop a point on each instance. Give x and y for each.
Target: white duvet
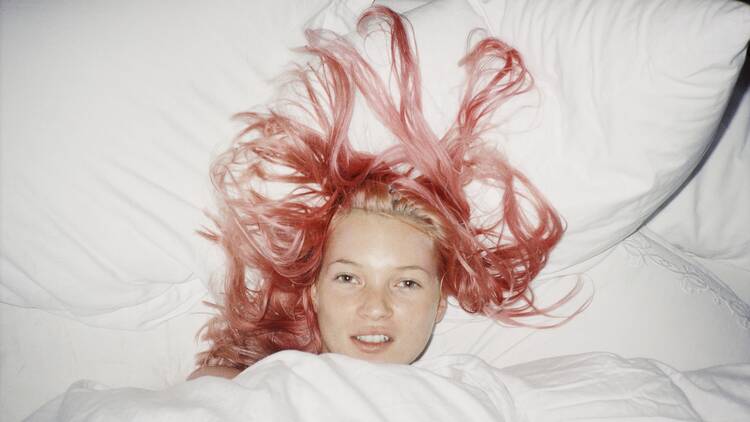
(295, 386)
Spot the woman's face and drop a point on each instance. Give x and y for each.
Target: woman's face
(378, 295)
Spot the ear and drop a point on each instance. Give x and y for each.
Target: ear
(442, 307)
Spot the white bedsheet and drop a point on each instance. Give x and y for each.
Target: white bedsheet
(295, 386)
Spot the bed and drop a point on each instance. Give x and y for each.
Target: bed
(637, 130)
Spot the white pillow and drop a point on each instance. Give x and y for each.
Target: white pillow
(628, 95)
(710, 217)
(649, 300)
(111, 114)
(112, 111)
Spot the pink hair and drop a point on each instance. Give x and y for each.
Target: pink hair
(486, 268)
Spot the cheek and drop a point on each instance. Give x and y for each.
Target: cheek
(332, 312)
(420, 315)
(419, 321)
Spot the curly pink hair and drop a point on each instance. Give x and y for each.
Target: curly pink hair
(421, 179)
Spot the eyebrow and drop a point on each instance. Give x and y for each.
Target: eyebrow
(403, 267)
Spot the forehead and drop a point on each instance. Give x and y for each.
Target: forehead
(366, 237)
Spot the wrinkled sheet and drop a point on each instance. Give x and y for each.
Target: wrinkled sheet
(295, 386)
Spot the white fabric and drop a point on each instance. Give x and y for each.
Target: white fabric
(295, 386)
(111, 112)
(648, 300)
(608, 133)
(710, 218)
(629, 95)
(118, 86)
(43, 353)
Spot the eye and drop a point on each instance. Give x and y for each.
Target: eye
(409, 284)
(345, 278)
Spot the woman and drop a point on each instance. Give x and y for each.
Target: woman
(360, 255)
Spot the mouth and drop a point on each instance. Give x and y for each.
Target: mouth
(372, 343)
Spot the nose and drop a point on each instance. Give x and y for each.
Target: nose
(375, 304)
